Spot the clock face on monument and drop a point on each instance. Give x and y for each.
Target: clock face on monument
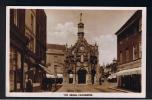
(82, 48)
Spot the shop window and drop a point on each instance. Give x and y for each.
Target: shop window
(15, 69)
(12, 68)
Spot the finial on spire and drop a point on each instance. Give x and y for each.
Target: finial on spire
(80, 17)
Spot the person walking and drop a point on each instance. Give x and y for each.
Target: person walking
(29, 85)
(100, 81)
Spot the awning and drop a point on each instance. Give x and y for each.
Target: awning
(129, 71)
(70, 75)
(109, 77)
(112, 76)
(60, 75)
(45, 69)
(49, 73)
(50, 76)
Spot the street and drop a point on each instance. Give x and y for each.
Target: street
(105, 87)
(46, 60)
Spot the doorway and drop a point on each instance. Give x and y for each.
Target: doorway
(82, 76)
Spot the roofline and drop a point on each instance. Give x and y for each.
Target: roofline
(55, 45)
(130, 21)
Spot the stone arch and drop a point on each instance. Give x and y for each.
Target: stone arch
(82, 76)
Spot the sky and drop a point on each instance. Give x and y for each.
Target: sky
(100, 26)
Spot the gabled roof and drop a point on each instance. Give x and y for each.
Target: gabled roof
(133, 19)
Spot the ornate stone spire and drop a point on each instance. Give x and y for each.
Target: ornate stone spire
(80, 17)
(80, 28)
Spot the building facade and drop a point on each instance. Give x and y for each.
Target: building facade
(129, 53)
(24, 46)
(81, 60)
(55, 59)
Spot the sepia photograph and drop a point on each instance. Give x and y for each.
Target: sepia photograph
(75, 52)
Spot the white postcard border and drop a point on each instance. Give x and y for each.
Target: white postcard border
(61, 94)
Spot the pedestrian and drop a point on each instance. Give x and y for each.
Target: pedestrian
(50, 84)
(29, 85)
(100, 81)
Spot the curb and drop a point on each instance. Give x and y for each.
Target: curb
(119, 89)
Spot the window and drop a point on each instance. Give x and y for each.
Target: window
(31, 44)
(120, 58)
(32, 22)
(133, 52)
(55, 69)
(15, 17)
(82, 58)
(140, 25)
(120, 42)
(140, 52)
(127, 38)
(135, 56)
(55, 59)
(127, 55)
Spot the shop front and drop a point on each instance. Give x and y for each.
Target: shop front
(130, 79)
(15, 70)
